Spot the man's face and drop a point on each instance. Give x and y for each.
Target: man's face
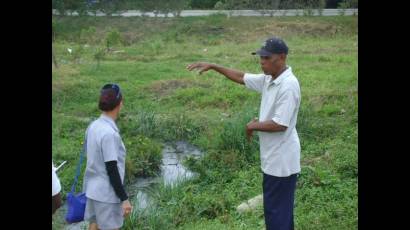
(271, 64)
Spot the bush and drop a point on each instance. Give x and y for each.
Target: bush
(180, 127)
(143, 157)
(88, 35)
(99, 55)
(219, 5)
(112, 38)
(233, 137)
(145, 124)
(77, 53)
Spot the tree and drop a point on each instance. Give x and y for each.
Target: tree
(202, 4)
(348, 4)
(332, 4)
(345, 4)
(109, 7)
(148, 6)
(113, 38)
(266, 6)
(54, 56)
(176, 6)
(53, 32)
(59, 6)
(99, 55)
(322, 4)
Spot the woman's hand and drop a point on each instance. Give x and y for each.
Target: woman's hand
(126, 208)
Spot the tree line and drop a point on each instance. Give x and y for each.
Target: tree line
(175, 7)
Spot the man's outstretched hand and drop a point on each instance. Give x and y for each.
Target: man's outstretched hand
(201, 66)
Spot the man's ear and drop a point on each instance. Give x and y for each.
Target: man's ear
(282, 56)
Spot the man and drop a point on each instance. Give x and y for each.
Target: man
(107, 202)
(55, 190)
(279, 141)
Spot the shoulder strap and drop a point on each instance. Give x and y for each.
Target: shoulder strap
(78, 171)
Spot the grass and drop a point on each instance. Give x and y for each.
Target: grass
(164, 102)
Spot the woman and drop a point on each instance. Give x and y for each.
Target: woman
(107, 201)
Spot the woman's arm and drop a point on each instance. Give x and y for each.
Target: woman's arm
(115, 179)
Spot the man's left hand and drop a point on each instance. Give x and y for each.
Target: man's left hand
(249, 128)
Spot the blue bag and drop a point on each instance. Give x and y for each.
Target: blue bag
(76, 202)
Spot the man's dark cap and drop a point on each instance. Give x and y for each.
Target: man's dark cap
(271, 46)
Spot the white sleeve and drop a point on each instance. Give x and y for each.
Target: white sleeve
(254, 81)
(285, 107)
(56, 186)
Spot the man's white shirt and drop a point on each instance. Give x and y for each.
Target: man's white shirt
(280, 151)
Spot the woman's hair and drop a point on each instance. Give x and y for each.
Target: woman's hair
(110, 97)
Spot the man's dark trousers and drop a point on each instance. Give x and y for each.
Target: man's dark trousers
(278, 200)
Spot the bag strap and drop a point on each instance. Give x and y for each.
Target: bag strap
(78, 171)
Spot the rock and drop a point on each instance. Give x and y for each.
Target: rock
(250, 204)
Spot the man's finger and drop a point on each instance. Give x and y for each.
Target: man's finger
(190, 66)
(194, 65)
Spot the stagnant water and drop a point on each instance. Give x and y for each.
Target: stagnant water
(172, 172)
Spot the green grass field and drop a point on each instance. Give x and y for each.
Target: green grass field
(163, 101)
